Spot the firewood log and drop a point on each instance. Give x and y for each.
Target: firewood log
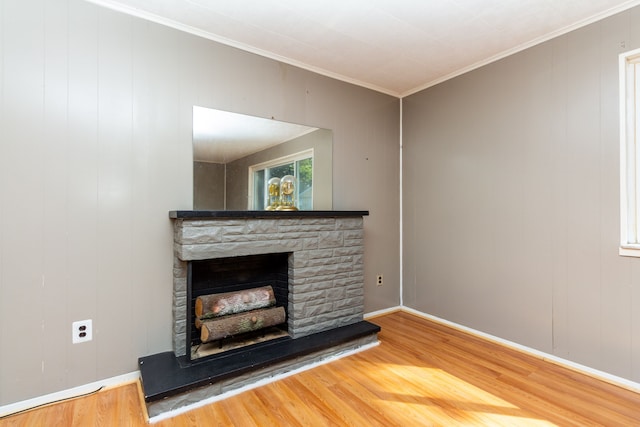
(222, 304)
(234, 324)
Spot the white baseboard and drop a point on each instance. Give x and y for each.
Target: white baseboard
(604, 376)
(382, 312)
(46, 399)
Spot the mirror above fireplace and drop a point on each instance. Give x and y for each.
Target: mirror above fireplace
(233, 153)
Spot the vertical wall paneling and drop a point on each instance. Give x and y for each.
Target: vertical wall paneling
(295, 96)
(115, 202)
(361, 177)
(57, 329)
(23, 195)
(633, 41)
(560, 205)
(161, 138)
(584, 193)
(138, 342)
(534, 160)
(616, 273)
(408, 267)
(82, 187)
(425, 207)
(4, 293)
(146, 70)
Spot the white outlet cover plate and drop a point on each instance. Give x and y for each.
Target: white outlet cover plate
(77, 330)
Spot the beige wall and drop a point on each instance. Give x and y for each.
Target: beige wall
(95, 149)
(511, 200)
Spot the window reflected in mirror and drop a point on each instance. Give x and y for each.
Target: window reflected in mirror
(266, 182)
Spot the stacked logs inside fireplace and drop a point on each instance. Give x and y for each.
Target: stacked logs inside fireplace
(229, 314)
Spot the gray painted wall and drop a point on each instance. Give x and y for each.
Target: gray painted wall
(511, 200)
(208, 186)
(95, 149)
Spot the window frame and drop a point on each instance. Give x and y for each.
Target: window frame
(630, 153)
(291, 158)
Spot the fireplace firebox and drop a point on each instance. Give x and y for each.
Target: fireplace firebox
(235, 276)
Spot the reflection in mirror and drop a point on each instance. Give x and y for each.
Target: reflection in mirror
(235, 156)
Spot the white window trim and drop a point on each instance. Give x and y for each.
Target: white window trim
(629, 154)
(277, 162)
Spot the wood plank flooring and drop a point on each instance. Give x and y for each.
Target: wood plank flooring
(422, 374)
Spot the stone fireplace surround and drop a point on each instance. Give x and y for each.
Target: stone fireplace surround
(325, 303)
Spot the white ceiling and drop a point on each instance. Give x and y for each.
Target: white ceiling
(394, 46)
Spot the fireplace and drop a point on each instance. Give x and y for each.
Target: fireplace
(240, 289)
(313, 260)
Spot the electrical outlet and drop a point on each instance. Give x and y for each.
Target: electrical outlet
(82, 331)
(379, 279)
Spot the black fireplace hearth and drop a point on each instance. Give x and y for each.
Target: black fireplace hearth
(164, 375)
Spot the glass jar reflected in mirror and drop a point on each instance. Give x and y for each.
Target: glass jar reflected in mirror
(287, 194)
(273, 188)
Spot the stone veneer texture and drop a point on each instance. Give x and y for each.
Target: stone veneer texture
(326, 271)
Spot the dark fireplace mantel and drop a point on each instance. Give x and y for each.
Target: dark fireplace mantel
(263, 214)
